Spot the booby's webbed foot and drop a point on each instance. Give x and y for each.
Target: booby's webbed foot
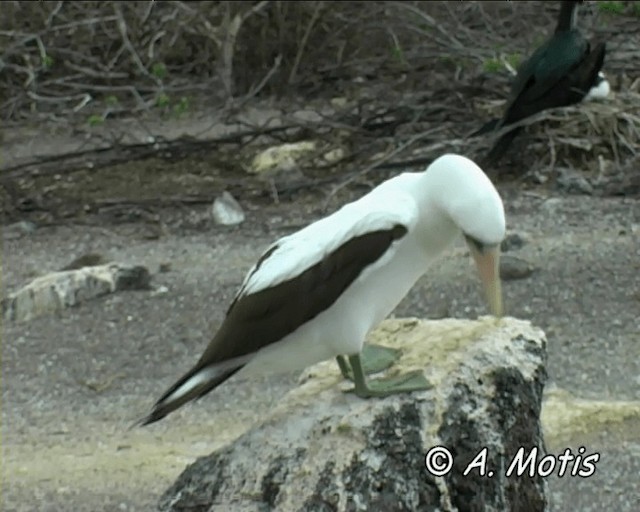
(374, 359)
(406, 383)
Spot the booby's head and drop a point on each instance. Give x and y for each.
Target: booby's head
(464, 193)
(600, 88)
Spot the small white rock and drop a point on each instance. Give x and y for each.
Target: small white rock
(18, 229)
(334, 155)
(160, 290)
(226, 210)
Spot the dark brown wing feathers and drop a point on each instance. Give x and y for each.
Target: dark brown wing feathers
(264, 317)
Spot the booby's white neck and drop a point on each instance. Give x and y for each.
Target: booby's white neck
(453, 196)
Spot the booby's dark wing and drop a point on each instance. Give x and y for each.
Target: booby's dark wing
(261, 318)
(284, 290)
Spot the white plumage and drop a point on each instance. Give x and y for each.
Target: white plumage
(599, 91)
(430, 209)
(436, 206)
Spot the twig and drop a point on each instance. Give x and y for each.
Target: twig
(256, 90)
(377, 163)
(232, 27)
(55, 99)
(88, 21)
(552, 152)
(53, 14)
(108, 75)
(305, 39)
(122, 27)
(431, 22)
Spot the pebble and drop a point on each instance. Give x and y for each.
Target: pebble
(18, 229)
(226, 210)
(512, 242)
(573, 182)
(512, 268)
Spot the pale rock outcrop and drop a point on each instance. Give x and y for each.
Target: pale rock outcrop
(322, 449)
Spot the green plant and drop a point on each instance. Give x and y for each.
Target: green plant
(162, 100)
(611, 7)
(47, 61)
(111, 100)
(635, 8)
(514, 59)
(95, 120)
(398, 54)
(492, 65)
(181, 107)
(159, 70)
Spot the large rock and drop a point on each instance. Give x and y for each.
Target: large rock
(325, 450)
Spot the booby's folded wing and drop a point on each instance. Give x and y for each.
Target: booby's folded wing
(295, 280)
(303, 274)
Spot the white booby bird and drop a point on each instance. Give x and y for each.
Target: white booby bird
(317, 293)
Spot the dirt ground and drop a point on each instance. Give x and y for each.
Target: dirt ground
(74, 382)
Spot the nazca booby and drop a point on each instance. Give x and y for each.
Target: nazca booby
(315, 294)
(563, 71)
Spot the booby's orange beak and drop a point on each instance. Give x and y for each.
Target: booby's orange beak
(488, 263)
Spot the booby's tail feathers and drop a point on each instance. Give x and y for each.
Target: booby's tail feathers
(196, 383)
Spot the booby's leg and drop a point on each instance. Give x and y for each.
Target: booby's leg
(413, 381)
(344, 367)
(374, 359)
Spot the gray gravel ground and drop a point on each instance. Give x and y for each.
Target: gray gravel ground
(73, 382)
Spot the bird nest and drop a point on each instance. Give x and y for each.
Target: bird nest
(598, 139)
(584, 136)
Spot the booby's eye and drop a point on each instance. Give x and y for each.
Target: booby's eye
(475, 243)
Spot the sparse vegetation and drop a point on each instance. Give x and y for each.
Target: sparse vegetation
(47, 61)
(162, 100)
(398, 55)
(492, 65)
(514, 59)
(111, 100)
(611, 7)
(159, 70)
(95, 120)
(75, 58)
(182, 107)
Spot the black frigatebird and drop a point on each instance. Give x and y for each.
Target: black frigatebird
(561, 72)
